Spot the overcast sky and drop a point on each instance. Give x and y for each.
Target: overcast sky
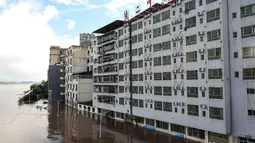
(29, 27)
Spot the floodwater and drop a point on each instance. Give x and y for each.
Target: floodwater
(28, 124)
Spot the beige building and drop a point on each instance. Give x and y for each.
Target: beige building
(57, 55)
(85, 39)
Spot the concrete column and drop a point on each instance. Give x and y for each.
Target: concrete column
(206, 137)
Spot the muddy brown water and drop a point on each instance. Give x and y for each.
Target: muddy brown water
(28, 124)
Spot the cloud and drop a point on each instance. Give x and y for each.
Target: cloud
(2, 2)
(71, 2)
(26, 37)
(70, 24)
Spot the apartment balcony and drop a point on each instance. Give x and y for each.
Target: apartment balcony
(107, 37)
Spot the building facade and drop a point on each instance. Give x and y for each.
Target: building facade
(76, 74)
(57, 55)
(191, 61)
(86, 39)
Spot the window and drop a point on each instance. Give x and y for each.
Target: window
(157, 61)
(121, 66)
(140, 63)
(173, 29)
(213, 35)
(215, 93)
(140, 37)
(135, 102)
(236, 74)
(216, 113)
(175, 92)
(234, 15)
(140, 77)
(214, 54)
(193, 110)
(121, 55)
(190, 22)
(134, 39)
(120, 32)
(248, 73)
(191, 57)
(134, 64)
(150, 122)
(140, 88)
(121, 77)
(140, 25)
(248, 31)
(135, 89)
(202, 57)
(203, 94)
(165, 15)
(192, 91)
(212, 135)
(177, 128)
(167, 106)
(248, 10)
(158, 105)
(173, 13)
(166, 29)
(248, 52)
(174, 44)
(157, 90)
(156, 18)
(234, 34)
(140, 51)
(196, 133)
(175, 110)
(191, 75)
(149, 21)
(181, 60)
(190, 5)
(214, 73)
(166, 45)
(235, 55)
(167, 91)
(166, 75)
(157, 76)
(134, 27)
(156, 32)
(162, 125)
(250, 90)
(175, 76)
(201, 38)
(181, 26)
(190, 40)
(120, 43)
(157, 47)
(135, 77)
(251, 112)
(213, 15)
(201, 20)
(167, 60)
(180, 10)
(210, 1)
(200, 2)
(182, 76)
(140, 103)
(121, 101)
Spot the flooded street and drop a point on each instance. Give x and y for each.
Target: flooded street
(28, 124)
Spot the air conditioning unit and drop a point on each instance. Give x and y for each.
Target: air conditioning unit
(202, 69)
(201, 50)
(179, 2)
(176, 87)
(181, 70)
(175, 71)
(151, 100)
(201, 13)
(182, 104)
(181, 88)
(174, 54)
(201, 33)
(173, 4)
(180, 53)
(180, 38)
(203, 106)
(174, 39)
(174, 22)
(186, 11)
(175, 103)
(126, 98)
(203, 88)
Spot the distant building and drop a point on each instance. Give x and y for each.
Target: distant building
(56, 83)
(85, 39)
(77, 75)
(57, 55)
(56, 74)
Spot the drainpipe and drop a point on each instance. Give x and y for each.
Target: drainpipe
(130, 70)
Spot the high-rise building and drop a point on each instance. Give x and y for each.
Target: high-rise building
(85, 39)
(56, 74)
(78, 76)
(193, 69)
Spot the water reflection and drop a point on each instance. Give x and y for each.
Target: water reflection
(74, 126)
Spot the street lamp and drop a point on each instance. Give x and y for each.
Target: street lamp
(100, 128)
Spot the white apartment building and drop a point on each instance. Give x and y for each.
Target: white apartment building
(78, 78)
(193, 69)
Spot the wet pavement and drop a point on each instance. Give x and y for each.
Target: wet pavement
(28, 124)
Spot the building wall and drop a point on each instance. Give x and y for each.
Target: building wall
(56, 83)
(84, 90)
